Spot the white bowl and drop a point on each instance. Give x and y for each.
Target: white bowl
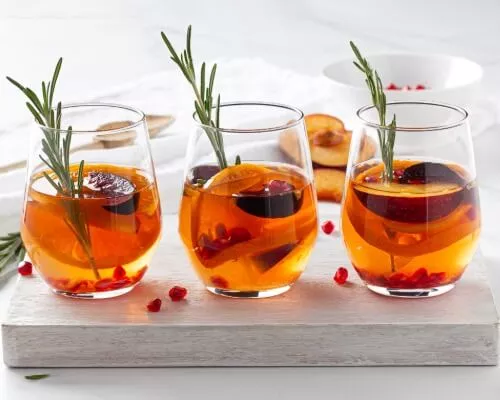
(449, 79)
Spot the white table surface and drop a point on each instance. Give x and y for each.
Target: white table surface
(107, 43)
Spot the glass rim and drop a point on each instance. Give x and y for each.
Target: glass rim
(462, 111)
(299, 113)
(140, 114)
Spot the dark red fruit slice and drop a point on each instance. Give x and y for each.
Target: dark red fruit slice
(429, 172)
(120, 190)
(203, 173)
(105, 184)
(265, 261)
(411, 209)
(277, 199)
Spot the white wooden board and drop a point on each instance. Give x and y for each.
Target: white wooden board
(316, 323)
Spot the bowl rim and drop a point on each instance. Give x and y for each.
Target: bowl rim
(474, 80)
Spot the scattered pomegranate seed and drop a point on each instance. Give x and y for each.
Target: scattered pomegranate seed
(328, 227)
(393, 86)
(177, 293)
(154, 305)
(219, 282)
(25, 268)
(119, 273)
(420, 87)
(341, 276)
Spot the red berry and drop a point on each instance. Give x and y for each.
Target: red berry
(238, 235)
(341, 276)
(119, 273)
(25, 268)
(104, 284)
(219, 282)
(177, 293)
(220, 231)
(392, 86)
(276, 186)
(420, 87)
(328, 227)
(154, 305)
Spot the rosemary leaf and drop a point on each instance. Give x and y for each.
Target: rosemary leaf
(386, 134)
(204, 102)
(36, 377)
(57, 158)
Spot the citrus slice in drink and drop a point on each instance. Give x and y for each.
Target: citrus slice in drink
(236, 179)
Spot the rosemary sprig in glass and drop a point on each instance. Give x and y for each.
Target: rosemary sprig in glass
(204, 103)
(56, 150)
(387, 133)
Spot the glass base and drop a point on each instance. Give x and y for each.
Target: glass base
(411, 293)
(256, 294)
(95, 295)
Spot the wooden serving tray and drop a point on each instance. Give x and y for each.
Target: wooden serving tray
(316, 323)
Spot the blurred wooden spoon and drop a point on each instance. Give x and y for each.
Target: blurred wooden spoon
(156, 124)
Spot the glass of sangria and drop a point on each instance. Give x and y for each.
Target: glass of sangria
(250, 227)
(97, 243)
(412, 232)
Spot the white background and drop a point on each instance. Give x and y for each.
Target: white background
(108, 43)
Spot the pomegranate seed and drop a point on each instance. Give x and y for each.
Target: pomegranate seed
(206, 253)
(276, 187)
(341, 276)
(220, 231)
(238, 235)
(328, 227)
(219, 282)
(138, 276)
(25, 268)
(104, 284)
(119, 273)
(177, 293)
(392, 86)
(154, 305)
(420, 87)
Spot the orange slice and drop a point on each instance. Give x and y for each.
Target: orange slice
(237, 178)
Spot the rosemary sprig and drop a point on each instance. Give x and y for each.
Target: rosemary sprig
(11, 250)
(204, 102)
(36, 377)
(56, 152)
(387, 133)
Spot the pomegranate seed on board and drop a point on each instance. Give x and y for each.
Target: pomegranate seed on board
(25, 268)
(341, 276)
(328, 227)
(154, 305)
(177, 293)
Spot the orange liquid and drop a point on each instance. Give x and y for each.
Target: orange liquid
(249, 242)
(123, 233)
(413, 235)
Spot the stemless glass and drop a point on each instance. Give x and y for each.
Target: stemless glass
(414, 234)
(98, 243)
(249, 228)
